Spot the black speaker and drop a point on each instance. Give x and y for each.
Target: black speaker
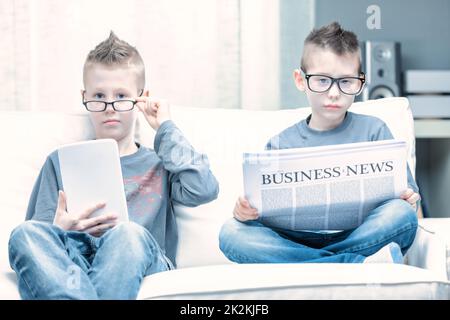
(381, 64)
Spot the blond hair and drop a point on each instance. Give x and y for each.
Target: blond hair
(116, 52)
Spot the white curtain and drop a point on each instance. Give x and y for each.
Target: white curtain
(204, 53)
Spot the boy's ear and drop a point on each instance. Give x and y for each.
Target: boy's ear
(299, 80)
(146, 93)
(82, 91)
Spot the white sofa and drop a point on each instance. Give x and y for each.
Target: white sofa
(203, 272)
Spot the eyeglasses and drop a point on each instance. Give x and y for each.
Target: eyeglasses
(118, 105)
(348, 85)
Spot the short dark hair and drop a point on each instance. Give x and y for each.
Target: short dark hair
(334, 38)
(114, 51)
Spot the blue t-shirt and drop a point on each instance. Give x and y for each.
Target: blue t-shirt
(153, 179)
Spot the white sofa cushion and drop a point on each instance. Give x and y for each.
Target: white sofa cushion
(426, 280)
(296, 281)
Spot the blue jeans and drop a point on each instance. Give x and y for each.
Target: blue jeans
(253, 242)
(52, 263)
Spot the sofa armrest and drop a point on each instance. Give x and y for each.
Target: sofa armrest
(431, 247)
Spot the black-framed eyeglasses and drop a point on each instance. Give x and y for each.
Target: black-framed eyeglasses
(348, 85)
(118, 105)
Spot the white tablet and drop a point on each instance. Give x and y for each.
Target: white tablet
(91, 174)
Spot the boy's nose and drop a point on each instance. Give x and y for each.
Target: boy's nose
(334, 90)
(109, 108)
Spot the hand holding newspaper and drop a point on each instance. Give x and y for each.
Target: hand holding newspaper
(324, 188)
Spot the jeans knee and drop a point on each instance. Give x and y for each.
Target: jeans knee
(229, 233)
(404, 212)
(401, 216)
(24, 231)
(129, 227)
(23, 239)
(131, 235)
(399, 211)
(409, 218)
(225, 231)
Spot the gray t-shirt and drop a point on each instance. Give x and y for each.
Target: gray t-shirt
(354, 128)
(153, 179)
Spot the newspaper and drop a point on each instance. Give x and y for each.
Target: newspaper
(324, 188)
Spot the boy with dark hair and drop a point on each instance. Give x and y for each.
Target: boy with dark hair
(331, 77)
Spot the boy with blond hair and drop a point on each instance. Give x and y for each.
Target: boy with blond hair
(331, 77)
(109, 260)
